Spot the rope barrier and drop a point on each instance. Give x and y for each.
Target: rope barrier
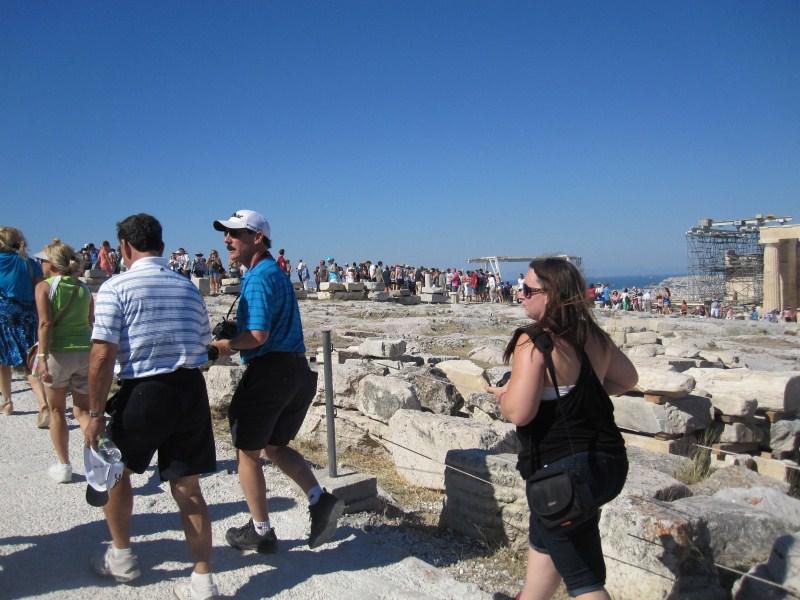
(667, 505)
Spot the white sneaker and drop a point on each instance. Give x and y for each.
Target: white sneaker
(60, 473)
(123, 569)
(189, 592)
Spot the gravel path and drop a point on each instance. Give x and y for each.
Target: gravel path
(47, 532)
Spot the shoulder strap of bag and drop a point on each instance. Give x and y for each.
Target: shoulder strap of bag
(544, 344)
(64, 310)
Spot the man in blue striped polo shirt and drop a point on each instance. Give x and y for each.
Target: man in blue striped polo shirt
(152, 323)
(272, 399)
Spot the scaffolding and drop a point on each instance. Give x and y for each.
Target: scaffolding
(492, 263)
(725, 260)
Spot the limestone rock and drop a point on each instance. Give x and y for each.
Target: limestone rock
(468, 377)
(663, 383)
(354, 431)
(784, 436)
(489, 353)
(491, 505)
(678, 416)
(643, 337)
(682, 351)
(767, 499)
(782, 568)
(774, 390)
(380, 397)
(643, 481)
(483, 407)
(435, 392)
(657, 552)
(382, 348)
(730, 525)
(741, 433)
(645, 350)
(378, 296)
(734, 406)
(331, 286)
(221, 383)
(736, 477)
(422, 441)
(345, 384)
(669, 464)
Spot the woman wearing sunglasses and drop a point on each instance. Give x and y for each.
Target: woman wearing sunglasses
(570, 428)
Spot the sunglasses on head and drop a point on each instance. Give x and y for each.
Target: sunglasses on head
(527, 292)
(236, 233)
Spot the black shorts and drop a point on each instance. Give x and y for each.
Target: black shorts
(168, 413)
(271, 402)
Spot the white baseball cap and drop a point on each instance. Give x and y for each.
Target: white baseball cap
(244, 219)
(101, 476)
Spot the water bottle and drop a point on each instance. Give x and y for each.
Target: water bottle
(108, 451)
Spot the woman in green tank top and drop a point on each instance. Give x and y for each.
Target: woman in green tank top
(66, 313)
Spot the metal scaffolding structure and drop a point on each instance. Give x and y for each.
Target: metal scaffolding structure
(492, 263)
(725, 260)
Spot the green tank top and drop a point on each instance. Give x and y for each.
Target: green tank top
(73, 332)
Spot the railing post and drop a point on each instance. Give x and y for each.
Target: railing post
(329, 410)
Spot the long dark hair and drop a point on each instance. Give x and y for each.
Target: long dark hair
(568, 313)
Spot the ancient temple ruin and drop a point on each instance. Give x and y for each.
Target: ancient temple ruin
(737, 261)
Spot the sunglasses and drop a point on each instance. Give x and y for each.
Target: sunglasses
(236, 233)
(527, 292)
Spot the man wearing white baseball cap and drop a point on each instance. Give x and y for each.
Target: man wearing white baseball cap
(271, 401)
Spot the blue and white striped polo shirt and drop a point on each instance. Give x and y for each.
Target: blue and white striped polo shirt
(268, 303)
(156, 317)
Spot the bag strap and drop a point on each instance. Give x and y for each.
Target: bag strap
(544, 344)
(64, 310)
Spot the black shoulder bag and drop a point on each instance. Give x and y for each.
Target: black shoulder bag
(561, 499)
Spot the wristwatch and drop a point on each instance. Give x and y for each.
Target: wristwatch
(95, 415)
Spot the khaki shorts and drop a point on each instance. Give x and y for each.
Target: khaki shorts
(69, 369)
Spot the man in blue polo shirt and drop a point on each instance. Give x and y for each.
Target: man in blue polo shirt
(272, 399)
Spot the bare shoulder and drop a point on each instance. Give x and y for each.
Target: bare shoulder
(598, 348)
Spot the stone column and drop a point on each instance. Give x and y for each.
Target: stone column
(772, 279)
(790, 288)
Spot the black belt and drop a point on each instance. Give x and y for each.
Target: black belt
(278, 355)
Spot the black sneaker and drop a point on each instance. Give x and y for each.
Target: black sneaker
(246, 538)
(324, 519)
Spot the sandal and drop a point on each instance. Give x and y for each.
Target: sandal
(43, 421)
(7, 408)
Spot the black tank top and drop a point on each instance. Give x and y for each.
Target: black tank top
(588, 413)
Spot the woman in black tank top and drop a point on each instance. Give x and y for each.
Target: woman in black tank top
(576, 431)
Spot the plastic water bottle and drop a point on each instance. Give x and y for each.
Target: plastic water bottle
(108, 451)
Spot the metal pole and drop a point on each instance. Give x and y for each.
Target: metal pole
(329, 414)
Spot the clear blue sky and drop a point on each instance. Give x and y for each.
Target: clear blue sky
(424, 132)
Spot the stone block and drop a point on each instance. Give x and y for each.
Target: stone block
(433, 298)
(383, 348)
(645, 350)
(664, 383)
(782, 568)
(331, 296)
(774, 390)
(353, 431)
(431, 437)
(676, 416)
(301, 294)
(230, 281)
(297, 285)
(734, 406)
(682, 351)
(354, 286)
(485, 497)
(331, 286)
(356, 295)
(381, 397)
(468, 377)
(399, 293)
(231, 289)
(735, 477)
(435, 393)
(406, 300)
(433, 290)
(657, 552)
(782, 470)
(203, 284)
(644, 481)
(95, 274)
(767, 499)
(358, 490)
(741, 433)
(378, 296)
(642, 337)
(221, 383)
(374, 286)
(784, 435)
